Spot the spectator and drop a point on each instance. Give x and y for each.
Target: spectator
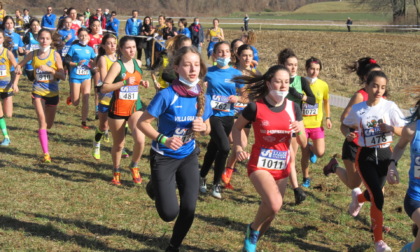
(148, 30)
(246, 21)
(2, 13)
(113, 24)
(48, 20)
(26, 17)
(197, 34)
(133, 28)
(107, 15)
(98, 16)
(349, 24)
(19, 23)
(182, 24)
(64, 15)
(87, 14)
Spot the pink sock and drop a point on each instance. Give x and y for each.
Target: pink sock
(43, 139)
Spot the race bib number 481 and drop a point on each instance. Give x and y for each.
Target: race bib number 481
(129, 93)
(272, 159)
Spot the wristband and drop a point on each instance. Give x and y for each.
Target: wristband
(159, 137)
(299, 133)
(163, 140)
(125, 82)
(393, 160)
(326, 118)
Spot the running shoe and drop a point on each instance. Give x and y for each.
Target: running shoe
(300, 195)
(227, 175)
(330, 167)
(312, 156)
(251, 239)
(355, 206)
(381, 246)
(216, 192)
(229, 186)
(68, 101)
(203, 185)
(105, 137)
(171, 248)
(5, 142)
(47, 158)
(116, 179)
(124, 153)
(306, 182)
(149, 190)
(96, 153)
(136, 175)
(84, 126)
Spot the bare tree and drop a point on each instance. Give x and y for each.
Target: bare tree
(398, 7)
(417, 5)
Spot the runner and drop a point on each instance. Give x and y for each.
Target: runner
(299, 92)
(107, 56)
(410, 134)
(31, 43)
(213, 36)
(80, 59)
(234, 45)
(68, 36)
(48, 70)
(8, 28)
(174, 152)
(183, 29)
(377, 120)
(250, 38)
(75, 23)
(95, 42)
(273, 118)
(313, 116)
(349, 175)
(223, 92)
(124, 78)
(8, 85)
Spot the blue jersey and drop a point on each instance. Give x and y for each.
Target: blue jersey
(64, 33)
(414, 172)
(185, 32)
(255, 52)
(31, 46)
(220, 87)
(175, 115)
(17, 42)
(78, 53)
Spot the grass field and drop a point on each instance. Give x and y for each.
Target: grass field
(69, 205)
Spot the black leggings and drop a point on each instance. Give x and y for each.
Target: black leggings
(218, 147)
(167, 174)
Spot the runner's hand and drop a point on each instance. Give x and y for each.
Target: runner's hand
(173, 143)
(242, 155)
(392, 177)
(198, 125)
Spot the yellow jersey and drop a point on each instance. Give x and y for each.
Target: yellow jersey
(313, 114)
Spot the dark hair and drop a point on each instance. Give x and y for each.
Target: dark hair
(82, 29)
(7, 43)
(5, 20)
(31, 22)
(216, 19)
(313, 60)
(183, 21)
(113, 12)
(69, 10)
(56, 41)
(415, 116)
(259, 89)
(169, 20)
(132, 12)
(362, 67)
(284, 55)
(234, 56)
(101, 50)
(216, 46)
(122, 42)
(147, 17)
(91, 24)
(243, 48)
(251, 37)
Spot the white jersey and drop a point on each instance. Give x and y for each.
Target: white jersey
(367, 120)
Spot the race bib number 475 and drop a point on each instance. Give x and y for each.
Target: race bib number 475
(272, 159)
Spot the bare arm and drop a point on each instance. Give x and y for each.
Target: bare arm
(355, 99)
(240, 140)
(109, 84)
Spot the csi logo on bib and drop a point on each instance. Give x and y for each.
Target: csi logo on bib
(82, 70)
(186, 135)
(374, 136)
(417, 166)
(130, 93)
(220, 103)
(43, 76)
(310, 110)
(272, 159)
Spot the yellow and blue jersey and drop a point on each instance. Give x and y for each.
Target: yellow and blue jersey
(5, 84)
(45, 84)
(105, 99)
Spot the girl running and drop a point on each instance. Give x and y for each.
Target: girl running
(95, 42)
(223, 92)
(183, 114)
(9, 29)
(48, 69)
(410, 134)
(80, 59)
(8, 85)
(349, 175)
(183, 29)
(124, 78)
(213, 36)
(68, 36)
(107, 56)
(31, 43)
(250, 38)
(313, 115)
(234, 45)
(273, 118)
(377, 120)
(75, 23)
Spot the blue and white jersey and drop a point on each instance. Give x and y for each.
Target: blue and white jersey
(175, 116)
(414, 172)
(185, 32)
(64, 34)
(30, 47)
(17, 42)
(255, 52)
(78, 53)
(220, 86)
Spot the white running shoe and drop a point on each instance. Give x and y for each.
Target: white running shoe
(355, 206)
(203, 186)
(217, 192)
(381, 246)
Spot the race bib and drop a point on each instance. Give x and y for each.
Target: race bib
(220, 103)
(3, 72)
(374, 137)
(272, 159)
(130, 93)
(214, 39)
(417, 166)
(32, 47)
(65, 50)
(240, 106)
(82, 70)
(186, 135)
(44, 76)
(310, 110)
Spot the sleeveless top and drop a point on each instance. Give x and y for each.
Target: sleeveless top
(45, 84)
(214, 35)
(5, 84)
(272, 139)
(105, 99)
(126, 100)
(414, 172)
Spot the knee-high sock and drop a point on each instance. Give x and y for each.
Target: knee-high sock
(43, 139)
(98, 135)
(3, 127)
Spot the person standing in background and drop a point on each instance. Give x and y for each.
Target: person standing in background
(2, 13)
(349, 23)
(107, 15)
(246, 21)
(64, 15)
(133, 28)
(26, 17)
(87, 14)
(19, 23)
(197, 34)
(113, 24)
(48, 20)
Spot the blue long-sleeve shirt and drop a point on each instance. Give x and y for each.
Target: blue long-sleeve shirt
(132, 28)
(113, 25)
(48, 21)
